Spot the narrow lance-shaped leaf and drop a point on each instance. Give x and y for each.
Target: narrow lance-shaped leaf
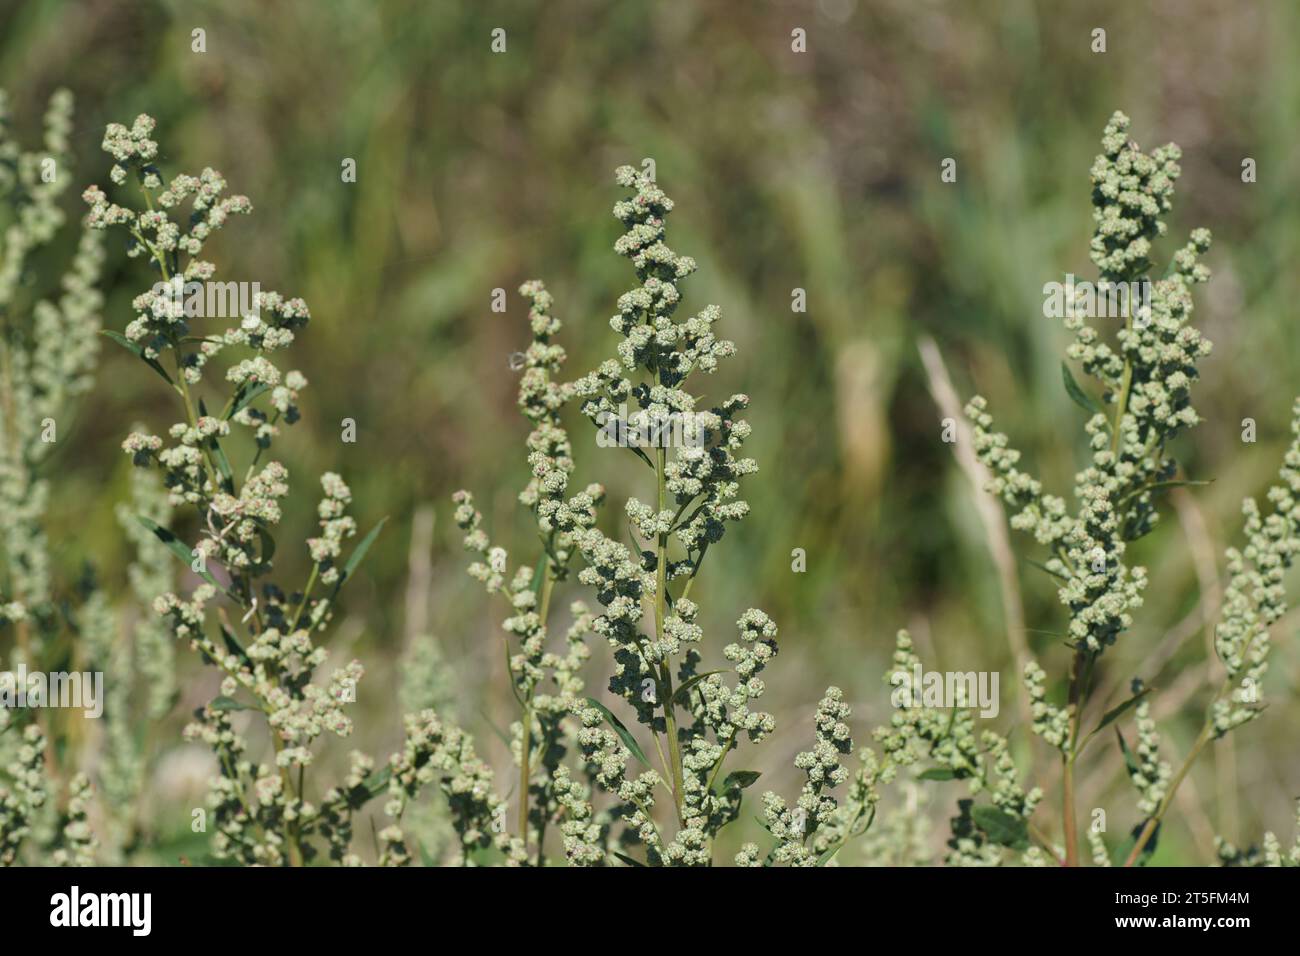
(219, 456)
(939, 773)
(138, 352)
(539, 573)
(1001, 827)
(740, 780)
(178, 547)
(354, 560)
(359, 553)
(682, 692)
(1116, 712)
(1130, 763)
(624, 734)
(228, 703)
(1077, 394)
(232, 643)
(244, 398)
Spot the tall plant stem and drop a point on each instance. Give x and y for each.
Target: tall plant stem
(1083, 659)
(306, 595)
(1203, 738)
(526, 738)
(1149, 829)
(1080, 673)
(1071, 832)
(661, 613)
(291, 843)
(1121, 404)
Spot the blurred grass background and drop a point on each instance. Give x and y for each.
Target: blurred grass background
(818, 171)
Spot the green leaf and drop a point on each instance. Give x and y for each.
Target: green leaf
(1116, 712)
(627, 859)
(1130, 763)
(1001, 827)
(178, 547)
(244, 399)
(138, 352)
(829, 853)
(359, 552)
(510, 671)
(939, 773)
(223, 466)
(492, 726)
(539, 572)
(624, 734)
(1179, 483)
(740, 780)
(1162, 485)
(1077, 394)
(233, 645)
(268, 543)
(860, 828)
(1045, 569)
(229, 703)
(219, 456)
(1121, 852)
(1149, 850)
(377, 782)
(681, 692)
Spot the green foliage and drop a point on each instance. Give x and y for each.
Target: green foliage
(637, 402)
(822, 178)
(263, 812)
(1146, 379)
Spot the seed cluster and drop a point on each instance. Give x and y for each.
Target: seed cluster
(1145, 380)
(271, 658)
(49, 352)
(697, 717)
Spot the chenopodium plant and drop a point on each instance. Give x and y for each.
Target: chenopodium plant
(48, 353)
(696, 714)
(261, 638)
(1145, 381)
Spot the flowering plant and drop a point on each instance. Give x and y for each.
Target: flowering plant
(695, 717)
(48, 353)
(261, 637)
(1145, 380)
(646, 771)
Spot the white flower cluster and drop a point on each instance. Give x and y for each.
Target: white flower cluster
(51, 349)
(657, 641)
(815, 806)
(19, 805)
(1147, 381)
(336, 526)
(269, 658)
(1050, 722)
(434, 752)
(1148, 772)
(1255, 598)
(79, 843)
(918, 733)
